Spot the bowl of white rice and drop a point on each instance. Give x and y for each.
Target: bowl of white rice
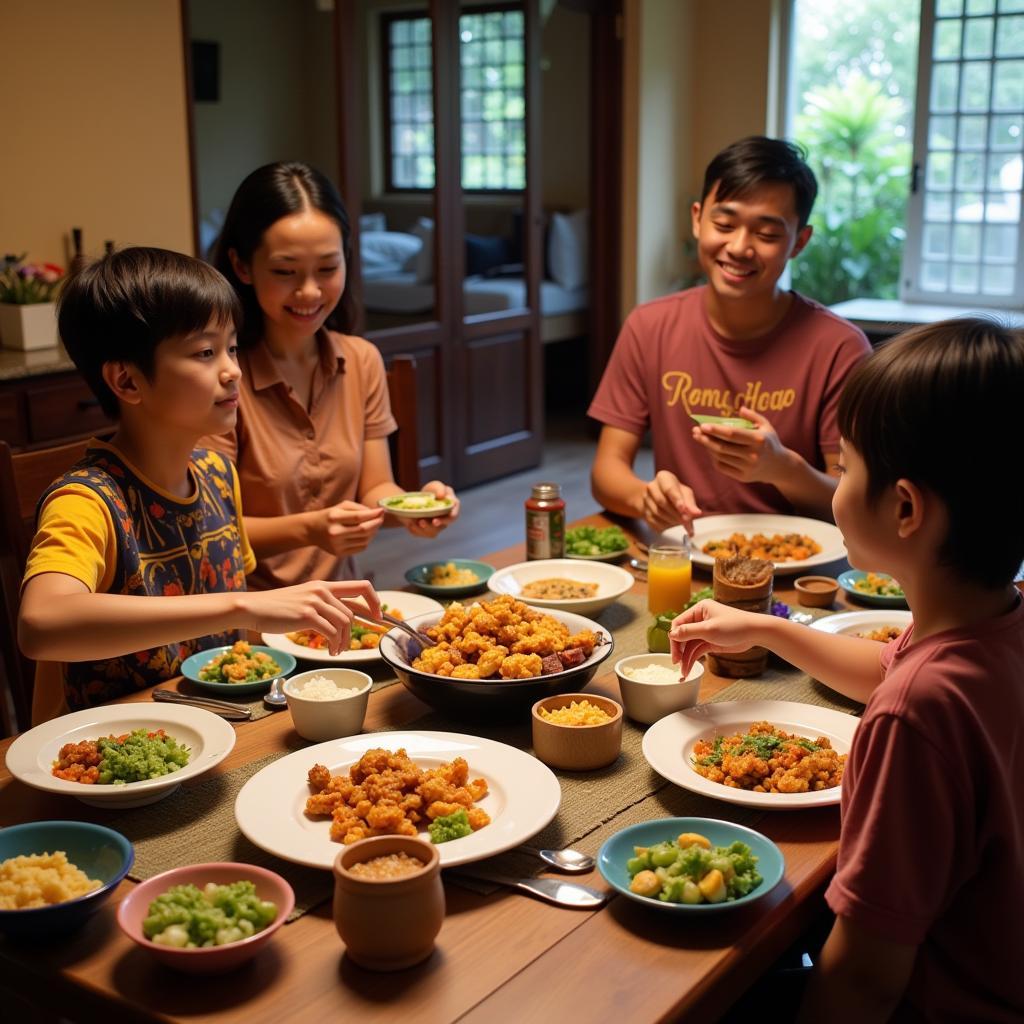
(328, 702)
(651, 686)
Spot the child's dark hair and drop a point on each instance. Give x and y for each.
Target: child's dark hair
(121, 307)
(939, 406)
(758, 160)
(264, 197)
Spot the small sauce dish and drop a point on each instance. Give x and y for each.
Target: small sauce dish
(646, 701)
(816, 591)
(320, 719)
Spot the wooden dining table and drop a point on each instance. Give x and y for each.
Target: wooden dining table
(498, 957)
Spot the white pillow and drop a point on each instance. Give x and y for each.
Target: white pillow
(372, 222)
(567, 249)
(423, 262)
(379, 247)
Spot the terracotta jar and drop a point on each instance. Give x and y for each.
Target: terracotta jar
(388, 924)
(744, 583)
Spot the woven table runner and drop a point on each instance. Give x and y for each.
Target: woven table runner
(197, 823)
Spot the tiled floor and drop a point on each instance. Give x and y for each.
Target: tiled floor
(492, 515)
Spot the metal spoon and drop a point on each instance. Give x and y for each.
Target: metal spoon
(563, 894)
(274, 698)
(570, 861)
(637, 564)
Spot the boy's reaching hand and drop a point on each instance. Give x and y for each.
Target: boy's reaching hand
(710, 626)
(667, 503)
(326, 606)
(746, 455)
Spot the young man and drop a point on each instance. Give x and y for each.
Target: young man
(738, 346)
(146, 516)
(932, 835)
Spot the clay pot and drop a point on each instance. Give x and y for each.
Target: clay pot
(749, 597)
(388, 924)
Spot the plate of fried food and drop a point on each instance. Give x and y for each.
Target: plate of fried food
(310, 645)
(771, 754)
(471, 796)
(496, 656)
(880, 625)
(793, 543)
(120, 755)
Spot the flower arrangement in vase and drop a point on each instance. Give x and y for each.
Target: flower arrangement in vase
(28, 291)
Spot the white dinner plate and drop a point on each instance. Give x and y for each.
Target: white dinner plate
(710, 528)
(407, 603)
(612, 582)
(852, 623)
(210, 739)
(668, 745)
(523, 795)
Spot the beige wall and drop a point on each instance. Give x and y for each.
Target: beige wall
(696, 76)
(97, 138)
(277, 88)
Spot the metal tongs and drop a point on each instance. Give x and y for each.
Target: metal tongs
(386, 619)
(224, 708)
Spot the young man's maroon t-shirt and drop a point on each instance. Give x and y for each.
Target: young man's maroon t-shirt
(669, 362)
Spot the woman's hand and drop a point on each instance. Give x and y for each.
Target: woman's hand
(747, 455)
(710, 626)
(432, 527)
(346, 528)
(667, 503)
(326, 606)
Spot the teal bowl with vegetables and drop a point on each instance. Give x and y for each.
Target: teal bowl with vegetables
(207, 669)
(737, 867)
(874, 588)
(206, 918)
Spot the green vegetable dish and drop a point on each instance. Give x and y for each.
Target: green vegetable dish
(879, 585)
(591, 541)
(417, 502)
(190, 918)
(449, 827)
(691, 870)
(657, 634)
(240, 665)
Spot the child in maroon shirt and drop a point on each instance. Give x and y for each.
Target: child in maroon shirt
(929, 883)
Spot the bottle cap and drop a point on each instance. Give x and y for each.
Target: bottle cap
(546, 491)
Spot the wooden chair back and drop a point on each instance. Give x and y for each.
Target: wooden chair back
(23, 478)
(405, 444)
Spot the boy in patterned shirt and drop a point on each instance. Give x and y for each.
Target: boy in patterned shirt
(147, 515)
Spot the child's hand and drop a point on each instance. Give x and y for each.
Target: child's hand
(326, 606)
(667, 503)
(747, 455)
(432, 527)
(710, 626)
(348, 527)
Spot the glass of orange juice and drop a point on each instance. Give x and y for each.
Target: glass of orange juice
(668, 576)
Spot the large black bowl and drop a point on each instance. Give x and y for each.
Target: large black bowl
(475, 698)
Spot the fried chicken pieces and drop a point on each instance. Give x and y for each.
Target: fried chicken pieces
(386, 793)
(502, 638)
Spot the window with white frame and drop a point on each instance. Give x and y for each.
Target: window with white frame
(964, 223)
(492, 101)
(917, 145)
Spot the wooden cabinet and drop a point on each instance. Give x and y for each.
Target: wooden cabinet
(48, 409)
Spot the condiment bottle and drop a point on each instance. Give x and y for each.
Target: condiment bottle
(545, 522)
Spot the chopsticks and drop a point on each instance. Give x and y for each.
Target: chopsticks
(223, 708)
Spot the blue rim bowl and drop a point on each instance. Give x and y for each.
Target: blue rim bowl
(100, 852)
(612, 857)
(194, 662)
(419, 576)
(851, 576)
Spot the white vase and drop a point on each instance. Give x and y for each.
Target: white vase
(28, 327)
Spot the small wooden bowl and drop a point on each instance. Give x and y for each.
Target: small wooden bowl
(577, 748)
(816, 591)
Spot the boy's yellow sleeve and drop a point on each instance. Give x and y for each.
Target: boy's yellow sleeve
(248, 555)
(75, 536)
